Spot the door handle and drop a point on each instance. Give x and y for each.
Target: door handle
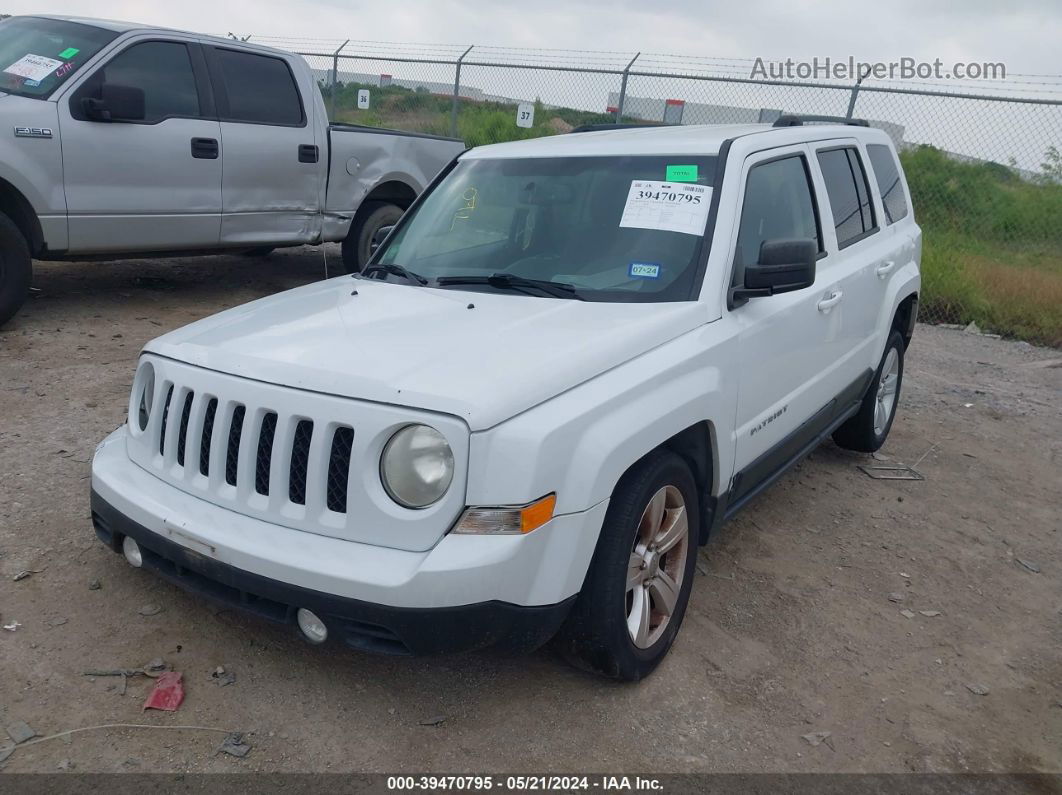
(205, 148)
(308, 153)
(885, 268)
(830, 301)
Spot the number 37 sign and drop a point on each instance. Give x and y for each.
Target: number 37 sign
(525, 115)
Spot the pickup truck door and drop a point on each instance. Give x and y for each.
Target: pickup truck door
(148, 184)
(274, 165)
(788, 383)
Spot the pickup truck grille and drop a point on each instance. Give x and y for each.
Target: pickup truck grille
(332, 487)
(302, 459)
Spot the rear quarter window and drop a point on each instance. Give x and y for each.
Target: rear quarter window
(887, 177)
(848, 192)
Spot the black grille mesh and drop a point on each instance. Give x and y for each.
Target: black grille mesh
(186, 412)
(339, 469)
(165, 417)
(208, 434)
(232, 454)
(265, 453)
(300, 459)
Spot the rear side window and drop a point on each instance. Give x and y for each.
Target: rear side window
(887, 175)
(849, 194)
(260, 89)
(778, 205)
(161, 69)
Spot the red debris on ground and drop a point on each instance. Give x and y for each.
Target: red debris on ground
(167, 694)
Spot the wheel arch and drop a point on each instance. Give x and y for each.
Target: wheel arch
(18, 208)
(391, 191)
(903, 319)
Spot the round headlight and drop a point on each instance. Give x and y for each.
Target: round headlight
(144, 394)
(417, 466)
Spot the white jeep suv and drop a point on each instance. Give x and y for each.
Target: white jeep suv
(568, 363)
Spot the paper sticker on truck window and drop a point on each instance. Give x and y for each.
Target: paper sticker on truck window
(669, 206)
(644, 270)
(33, 67)
(681, 173)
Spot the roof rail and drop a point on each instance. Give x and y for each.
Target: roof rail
(626, 126)
(798, 119)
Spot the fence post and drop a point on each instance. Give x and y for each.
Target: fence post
(623, 89)
(457, 90)
(335, 77)
(855, 93)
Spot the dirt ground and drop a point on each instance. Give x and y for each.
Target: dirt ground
(790, 630)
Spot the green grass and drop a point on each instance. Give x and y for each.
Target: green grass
(992, 245)
(992, 241)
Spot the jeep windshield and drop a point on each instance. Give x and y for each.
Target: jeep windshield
(599, 228)
(38, 55)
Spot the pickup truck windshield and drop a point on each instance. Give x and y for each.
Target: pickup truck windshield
(621, 229)
(38, 55)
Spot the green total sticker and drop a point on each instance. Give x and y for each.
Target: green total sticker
(69, 52)
(681, 174)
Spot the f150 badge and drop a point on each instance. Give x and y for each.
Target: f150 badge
(33, 132)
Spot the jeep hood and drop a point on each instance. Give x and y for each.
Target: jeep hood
(484, 357)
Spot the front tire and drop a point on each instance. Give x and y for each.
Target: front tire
(16, 269)
(371, 218)
(638, 585)
(867, 430)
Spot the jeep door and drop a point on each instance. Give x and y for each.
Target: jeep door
(148, 183)
(856, 248)
(274, 166)
(788, 378)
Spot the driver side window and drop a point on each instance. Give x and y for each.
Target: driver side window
(161, 69)
(779, 204)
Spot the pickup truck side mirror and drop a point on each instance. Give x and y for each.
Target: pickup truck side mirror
(116, 103)
(784, 266)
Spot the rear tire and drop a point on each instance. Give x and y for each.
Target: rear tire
(867, 430)
(16, 269)
(639, 581)
(371, 218)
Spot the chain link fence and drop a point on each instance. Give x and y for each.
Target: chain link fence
(983, 158)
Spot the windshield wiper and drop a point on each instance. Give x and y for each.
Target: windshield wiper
(397, 270)
(509, 281)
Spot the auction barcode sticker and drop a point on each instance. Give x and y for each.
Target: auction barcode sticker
(670, 206)
(33, 67)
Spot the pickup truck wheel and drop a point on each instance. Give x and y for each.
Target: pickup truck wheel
(867, 430)
(371, 218)
(16, 269)
(639, 581)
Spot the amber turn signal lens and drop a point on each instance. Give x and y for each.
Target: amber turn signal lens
(537, 513)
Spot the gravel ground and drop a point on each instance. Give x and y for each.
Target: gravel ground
(790, 631)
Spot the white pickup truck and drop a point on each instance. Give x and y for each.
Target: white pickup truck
(122, 139)
(571, 360)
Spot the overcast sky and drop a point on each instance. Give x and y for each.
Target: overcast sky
(1024, 34)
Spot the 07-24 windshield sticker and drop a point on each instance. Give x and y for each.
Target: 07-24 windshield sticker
(33, 67)
(668, 206)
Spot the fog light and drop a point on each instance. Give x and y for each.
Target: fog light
(132, 553)
(312, 627)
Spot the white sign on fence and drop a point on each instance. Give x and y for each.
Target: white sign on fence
(363, 99)
(525, 114)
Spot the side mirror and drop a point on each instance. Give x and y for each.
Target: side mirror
(784, 266)
(116, 103)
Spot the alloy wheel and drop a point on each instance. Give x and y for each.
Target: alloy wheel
(657, 566)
